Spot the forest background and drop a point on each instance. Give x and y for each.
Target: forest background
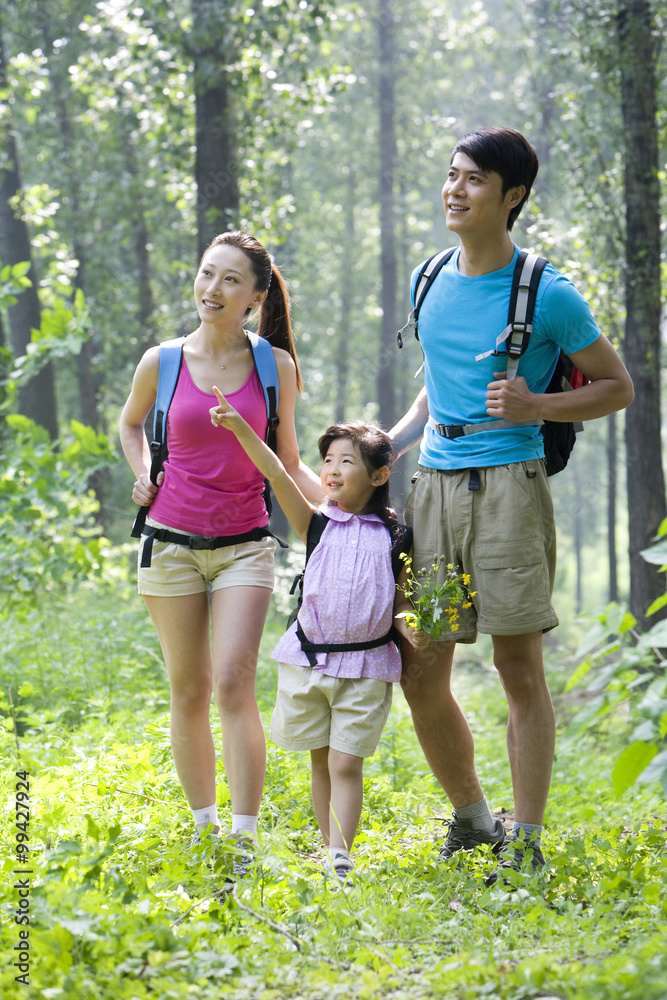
(131, 133)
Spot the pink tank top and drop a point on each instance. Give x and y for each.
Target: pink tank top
(210, 485)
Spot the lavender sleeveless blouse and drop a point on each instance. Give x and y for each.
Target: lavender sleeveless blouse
(348, 596)
(210, 485)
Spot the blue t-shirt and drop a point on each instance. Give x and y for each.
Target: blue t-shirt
(460, 318)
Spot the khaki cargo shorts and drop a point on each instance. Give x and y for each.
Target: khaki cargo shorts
(502, 534)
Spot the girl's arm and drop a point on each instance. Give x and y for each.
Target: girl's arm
(286, 443)
(131, 426)
(416, 637)
(297, 509)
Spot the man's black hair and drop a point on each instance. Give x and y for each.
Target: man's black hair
(506, 152)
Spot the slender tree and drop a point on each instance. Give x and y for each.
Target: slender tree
(646, 485)
(37, 398)
(216, 158)
(387, 163)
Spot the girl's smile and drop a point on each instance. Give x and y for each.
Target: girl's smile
(345, 478)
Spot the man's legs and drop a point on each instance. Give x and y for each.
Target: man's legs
(441, 726)
(531, 726)
(445, 736)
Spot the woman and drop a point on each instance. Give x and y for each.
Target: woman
(210, 488)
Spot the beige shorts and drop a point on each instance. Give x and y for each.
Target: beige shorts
(176, 570)
(502, 534)
(314, 710)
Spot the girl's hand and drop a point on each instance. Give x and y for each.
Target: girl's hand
(143, 491)
(224, 414)
(417, 638)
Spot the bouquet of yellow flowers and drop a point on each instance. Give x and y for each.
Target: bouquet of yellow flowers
(435, 606)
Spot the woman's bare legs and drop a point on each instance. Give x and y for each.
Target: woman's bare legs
(182, 625)
(238, 615)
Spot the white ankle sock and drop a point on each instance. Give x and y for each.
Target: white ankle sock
(478, 815)
(203, 817)
(244, 824)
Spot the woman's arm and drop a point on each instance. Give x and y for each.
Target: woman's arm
(286, 443)
(131, 426)
(297, 509)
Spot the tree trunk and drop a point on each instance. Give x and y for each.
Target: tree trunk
(578, 537)
(342, 356)
(646, 487)
(387, 153)
(216, 166)
(612, 473)
(37, 398)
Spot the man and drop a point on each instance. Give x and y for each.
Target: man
(481, 499)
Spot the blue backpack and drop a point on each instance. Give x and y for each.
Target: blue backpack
(171, 353)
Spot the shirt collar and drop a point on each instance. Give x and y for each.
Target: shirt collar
(336, 514)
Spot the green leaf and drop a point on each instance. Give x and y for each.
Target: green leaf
(656, 554)
(659, 602)
(630, 765)
(656, 636)
(578, 674)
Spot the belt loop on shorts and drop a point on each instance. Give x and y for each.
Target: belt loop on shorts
(474, 482)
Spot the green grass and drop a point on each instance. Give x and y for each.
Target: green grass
(119, 909)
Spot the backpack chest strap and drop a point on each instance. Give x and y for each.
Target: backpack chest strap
(310, 648)
(460, 430)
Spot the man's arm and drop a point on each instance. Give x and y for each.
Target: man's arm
(409, 429)
(610, 389)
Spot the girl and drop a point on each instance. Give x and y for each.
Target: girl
(209, 488)
(335, 702)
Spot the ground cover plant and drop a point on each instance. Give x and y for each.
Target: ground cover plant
(118, 907)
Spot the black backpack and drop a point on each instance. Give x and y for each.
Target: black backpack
(559, 437)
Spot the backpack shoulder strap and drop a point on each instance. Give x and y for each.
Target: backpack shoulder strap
(170, 356)
(171, 353)
(265, 366)
(425, 279)
(318, 523)
(525, 281)
(401, 543)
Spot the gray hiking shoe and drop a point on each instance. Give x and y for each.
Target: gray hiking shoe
(244, 855)
(517, 856)
(462, 836)
(208, 836)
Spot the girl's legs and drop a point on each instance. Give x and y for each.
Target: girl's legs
(182, 625)
(347, 796)
(238, 615)
(338, 794)
(320, 784)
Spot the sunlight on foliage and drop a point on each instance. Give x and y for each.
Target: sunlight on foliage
(120, 908)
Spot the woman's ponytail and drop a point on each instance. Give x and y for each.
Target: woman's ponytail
(275, 323)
